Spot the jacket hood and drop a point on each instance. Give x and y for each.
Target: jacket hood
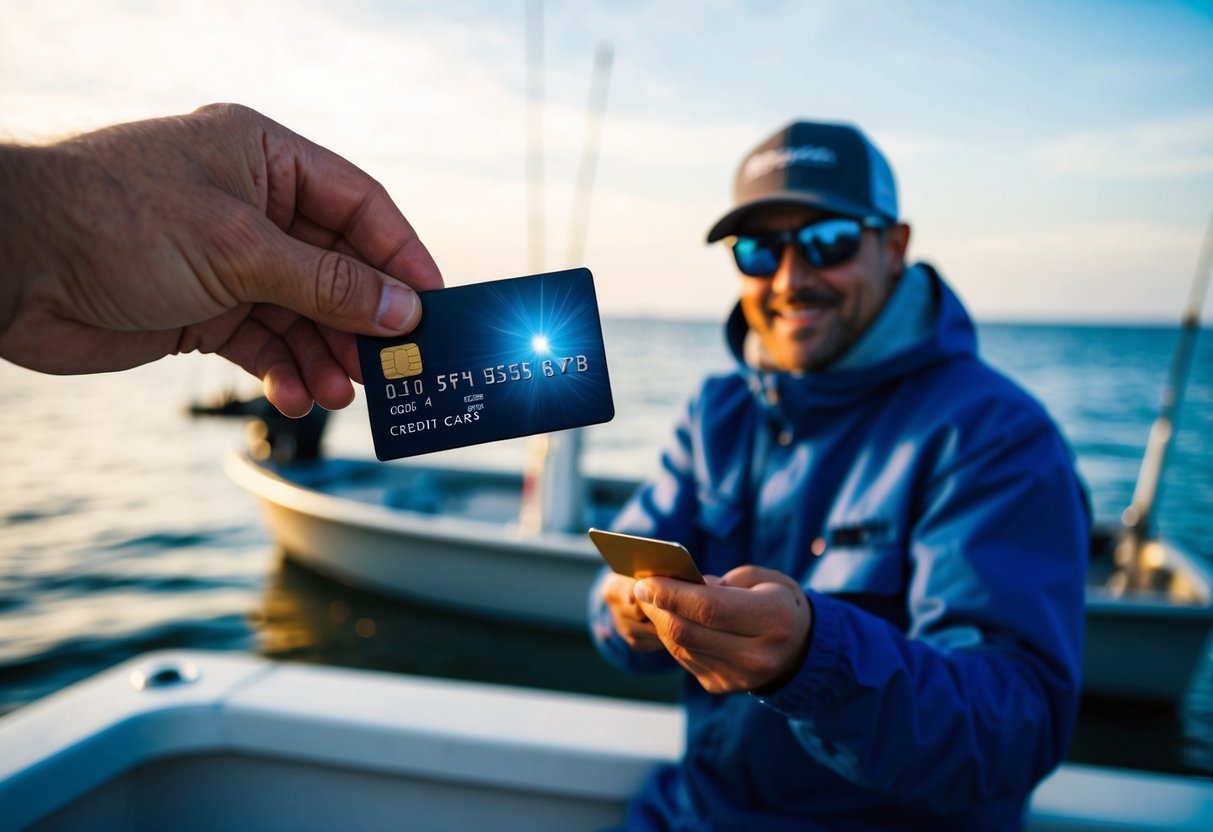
(951, 336)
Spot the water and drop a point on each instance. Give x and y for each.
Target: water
(119, 532)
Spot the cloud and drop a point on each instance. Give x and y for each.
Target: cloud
(1162, 148)
(1130, 270)
(431, 100)
(79, 63)
(1075, 241)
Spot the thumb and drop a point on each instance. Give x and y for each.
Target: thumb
(332, 288)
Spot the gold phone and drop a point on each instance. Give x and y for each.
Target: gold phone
(643, 557)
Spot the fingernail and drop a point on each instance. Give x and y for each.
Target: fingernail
(642, 592)
(397, 306)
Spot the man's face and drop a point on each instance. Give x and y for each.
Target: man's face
(808, 317)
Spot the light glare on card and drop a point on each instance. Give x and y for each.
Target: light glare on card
(489, 361)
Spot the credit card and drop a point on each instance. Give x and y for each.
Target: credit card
(489, 361)
(640, 557)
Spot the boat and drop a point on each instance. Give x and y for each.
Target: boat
(197, 740)
(444, 536)
(513, 545)
(453, 537)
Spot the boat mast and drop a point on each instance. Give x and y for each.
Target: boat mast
(534, 120)
(553, 489)
(1138, 519)
(579, 218)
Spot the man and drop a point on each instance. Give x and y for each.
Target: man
(895, 637)
(218, 231)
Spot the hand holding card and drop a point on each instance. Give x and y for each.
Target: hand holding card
(489, 361)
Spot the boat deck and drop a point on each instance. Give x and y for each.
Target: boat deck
(195, 740)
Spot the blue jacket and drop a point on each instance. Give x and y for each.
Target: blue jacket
(931, 511)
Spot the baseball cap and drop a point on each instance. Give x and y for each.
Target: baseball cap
(834, 167)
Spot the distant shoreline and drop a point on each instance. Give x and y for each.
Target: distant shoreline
(1100, 323)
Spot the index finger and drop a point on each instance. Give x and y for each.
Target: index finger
(724, 608)
(335, 194)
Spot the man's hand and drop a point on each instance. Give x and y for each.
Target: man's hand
(221, 231)
(745, 631)
(632, 625)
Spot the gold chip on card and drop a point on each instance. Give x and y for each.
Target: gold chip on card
(401, 362)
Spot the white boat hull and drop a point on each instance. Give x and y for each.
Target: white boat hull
(466, 552)
(486, 567)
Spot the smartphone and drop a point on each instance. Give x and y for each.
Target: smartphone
(643, 557)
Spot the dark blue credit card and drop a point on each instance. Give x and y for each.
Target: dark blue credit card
(489, 361)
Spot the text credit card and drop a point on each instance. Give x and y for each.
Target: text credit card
(489, 361)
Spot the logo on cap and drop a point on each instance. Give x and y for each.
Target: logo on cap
(766, 161)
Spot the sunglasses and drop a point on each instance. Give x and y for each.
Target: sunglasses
(824, 244)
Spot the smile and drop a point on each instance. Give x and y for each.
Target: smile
(803, 311)
(800, 318)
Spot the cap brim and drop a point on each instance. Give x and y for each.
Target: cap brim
(732, 222)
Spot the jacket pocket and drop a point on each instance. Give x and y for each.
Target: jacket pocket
(876, 570)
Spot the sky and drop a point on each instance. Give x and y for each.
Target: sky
(1054, 159)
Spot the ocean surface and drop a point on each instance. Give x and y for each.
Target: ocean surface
(120, 533)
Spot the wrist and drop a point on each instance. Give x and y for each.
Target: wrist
(797, 661)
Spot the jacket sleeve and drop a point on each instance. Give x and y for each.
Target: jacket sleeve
(664, 508)
(978, 698)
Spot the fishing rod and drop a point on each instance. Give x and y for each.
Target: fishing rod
(1137, 520)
